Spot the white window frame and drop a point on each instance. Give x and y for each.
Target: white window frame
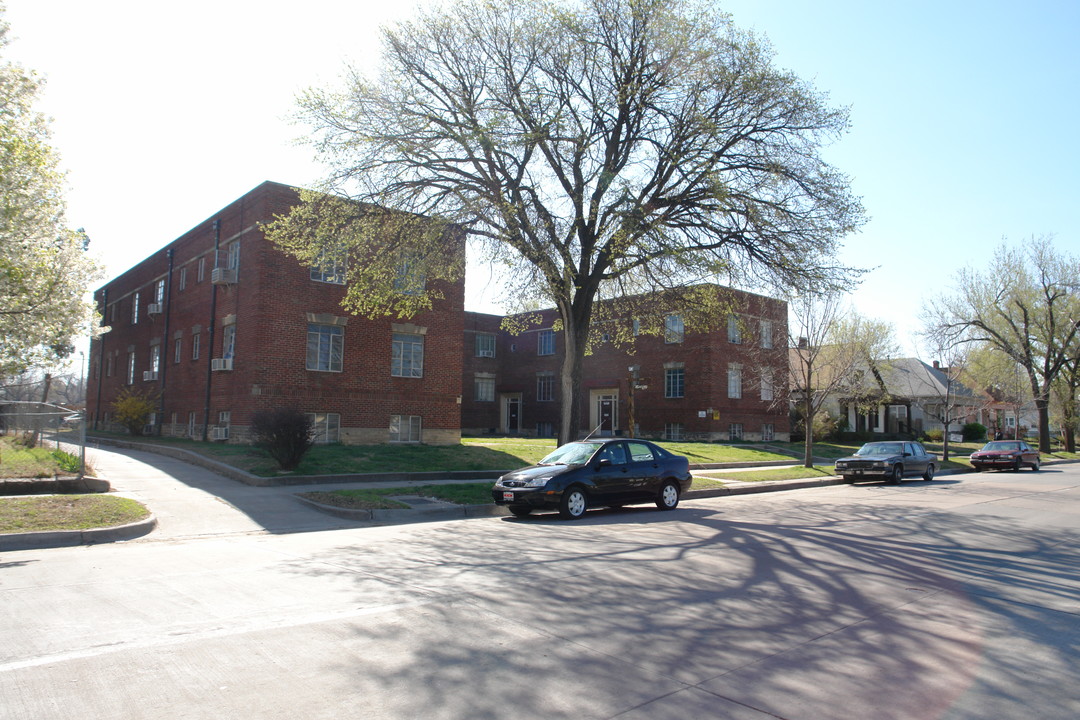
(325, 350)
(407, 355)
(674, 431)
(155, 359)
(484, 389)
(734, 382)
(178, 351)
(674, 383)
(135, 310)
(735, 431)
(734, 330)
(326, 427)
(767, 389)
(768, 432)
(183, 278)
(767, 334)
(674, 329)
(545, 342)
(195, 343)
(545, 387)
(228, 341)
(329, 271)
(406, 428)
(485, 345)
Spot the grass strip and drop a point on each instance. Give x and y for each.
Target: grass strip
(67, 512)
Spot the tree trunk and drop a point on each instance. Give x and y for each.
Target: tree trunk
(1043, 406)
(576, 321)
(808, 423)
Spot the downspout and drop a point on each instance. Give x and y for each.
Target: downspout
(210, 338)
(101, 358)
(164, 354)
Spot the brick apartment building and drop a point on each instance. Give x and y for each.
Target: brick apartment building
(222, 324)
(725, 384)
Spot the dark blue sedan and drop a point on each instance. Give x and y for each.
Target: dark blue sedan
(607, 472)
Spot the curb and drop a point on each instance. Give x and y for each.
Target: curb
(445, 511)
(72, 538)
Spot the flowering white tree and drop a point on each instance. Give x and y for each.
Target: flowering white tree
(44, 267)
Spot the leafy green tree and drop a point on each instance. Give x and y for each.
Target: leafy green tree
(592, 149)
(44, 267)
(132, 409)
(1027, 305)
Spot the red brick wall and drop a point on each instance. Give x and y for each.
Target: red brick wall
(271, 303)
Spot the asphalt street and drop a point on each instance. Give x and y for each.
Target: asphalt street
(955, 599)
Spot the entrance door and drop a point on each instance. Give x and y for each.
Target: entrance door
(512, 414)
(604, 412)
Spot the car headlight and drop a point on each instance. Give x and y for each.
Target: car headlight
(537, 482)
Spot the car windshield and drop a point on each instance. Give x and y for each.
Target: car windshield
(881, 449)
(1001, 447)
(571, 454)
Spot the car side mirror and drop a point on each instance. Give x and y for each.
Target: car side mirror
(603, 462)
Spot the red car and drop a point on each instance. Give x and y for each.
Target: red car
(1005, 455)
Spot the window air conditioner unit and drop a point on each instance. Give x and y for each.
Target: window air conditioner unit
(223, 276)
(149, 375)
(154, 308)
(221, 364)
(219, 433)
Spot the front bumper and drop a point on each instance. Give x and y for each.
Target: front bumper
(526, 497)
(995, 463)
(864, 472)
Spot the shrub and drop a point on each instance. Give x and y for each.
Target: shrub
(935, 435)
(132, 409)
(285, 434)
(974, 432)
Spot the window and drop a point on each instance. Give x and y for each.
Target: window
(485, 389)
(327, 427)
(674, 382)
(108, 366)
(228, 342)
(766, 384)
(202, 270)
(545, 387)
(159, 292)
(191, 424)
(131, 368)
(485, 345)
(195, 346)
(735, 431)
(734, 381)
(233, 259)
(405, 428)
(766, 334)
(768, 432)
(135, 310)
(635, 326)
(734, 330)
(183, 278)
(407, 355)
(545, 429)
(673, 431)
(324, 347)
(410, 278)
(328, 270)
(640, 452)
(673, 329)
(177, 352)
(545, 342)
(155, 359)
(224, 418)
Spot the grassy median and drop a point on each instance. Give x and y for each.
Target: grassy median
(67, 512)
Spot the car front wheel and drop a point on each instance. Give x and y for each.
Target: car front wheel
(1035, 465)
(929, 474)
(897, 474)
(574, 504)
(668, 499)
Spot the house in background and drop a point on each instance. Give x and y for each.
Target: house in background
(221, 324)
(903, 397)
(724, 384)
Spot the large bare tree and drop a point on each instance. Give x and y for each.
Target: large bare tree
(591, 148)
(1027, 305)
(834, 352)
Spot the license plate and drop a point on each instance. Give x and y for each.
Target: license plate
(508, 496)
(858, 472)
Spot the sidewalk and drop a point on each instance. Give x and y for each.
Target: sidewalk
(191, 501)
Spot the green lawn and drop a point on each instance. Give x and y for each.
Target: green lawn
(786, 473)
(485, 453)
(67, 512)
(17, 461)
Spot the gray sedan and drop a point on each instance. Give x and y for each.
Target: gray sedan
(891, 460)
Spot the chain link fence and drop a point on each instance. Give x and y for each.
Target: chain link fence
(37, 424)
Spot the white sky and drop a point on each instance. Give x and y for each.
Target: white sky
(964, 118)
